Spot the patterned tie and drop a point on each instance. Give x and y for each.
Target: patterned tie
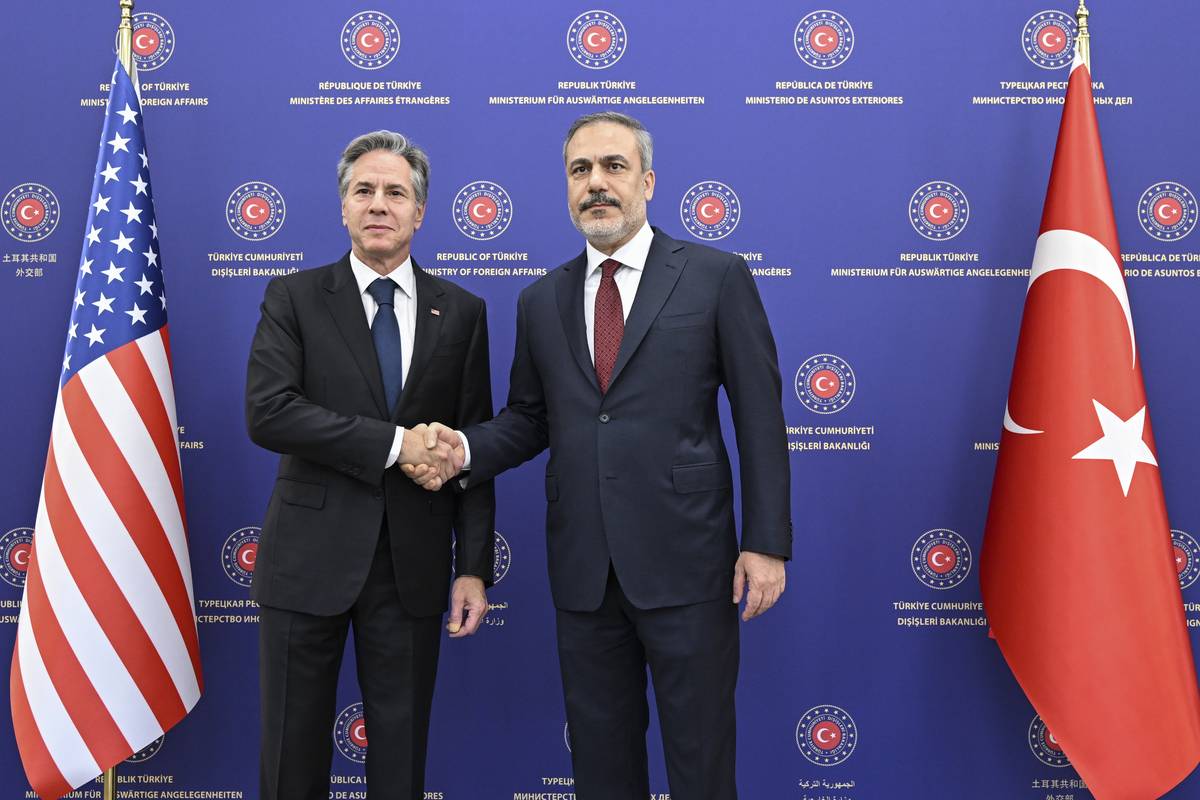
(385, 330)
(608, 325)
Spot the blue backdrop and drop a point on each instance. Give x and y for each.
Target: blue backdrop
(822, 137)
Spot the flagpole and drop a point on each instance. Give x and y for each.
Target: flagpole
(1085, 38)
(125, 53)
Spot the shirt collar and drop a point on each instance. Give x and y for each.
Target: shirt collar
(631, 254)
(402, 275)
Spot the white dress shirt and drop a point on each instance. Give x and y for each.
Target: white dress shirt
(405, 306)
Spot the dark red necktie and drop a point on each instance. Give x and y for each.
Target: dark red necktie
(608, 326)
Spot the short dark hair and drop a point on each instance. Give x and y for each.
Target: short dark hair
(645, 142)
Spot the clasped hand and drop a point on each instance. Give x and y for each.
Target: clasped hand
(431, 455)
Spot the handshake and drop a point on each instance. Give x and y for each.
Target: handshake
(431, 455)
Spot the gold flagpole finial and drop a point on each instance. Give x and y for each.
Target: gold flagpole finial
(1084, 37)
(125, 35)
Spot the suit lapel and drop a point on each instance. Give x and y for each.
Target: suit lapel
(346, 306)
(430, 310)
(570, 308)
(664, 265)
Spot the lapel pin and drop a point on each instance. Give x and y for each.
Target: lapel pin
(435, 312)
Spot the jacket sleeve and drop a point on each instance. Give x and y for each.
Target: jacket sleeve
(281, 418)
(475, 513)
(750, 373)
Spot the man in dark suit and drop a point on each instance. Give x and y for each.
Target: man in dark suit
(346, 358)
(619, 356)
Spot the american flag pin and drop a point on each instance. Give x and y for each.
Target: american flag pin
(435, 312)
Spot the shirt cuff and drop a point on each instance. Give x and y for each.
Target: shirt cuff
(465, 471)
(394, 453)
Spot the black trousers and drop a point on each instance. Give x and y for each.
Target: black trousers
(299, 659)
(692, 654)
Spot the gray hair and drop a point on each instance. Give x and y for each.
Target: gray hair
(394, 143)
(645, 143)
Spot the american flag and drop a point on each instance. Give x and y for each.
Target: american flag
(106, 658)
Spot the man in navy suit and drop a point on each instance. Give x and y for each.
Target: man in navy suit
(619, 356)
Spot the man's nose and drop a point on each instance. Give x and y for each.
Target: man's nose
(597, 179)
(378, 206)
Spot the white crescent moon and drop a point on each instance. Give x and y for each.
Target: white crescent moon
(1165, 211)
(1072, 250)
(821, 736)
(594, 38)
(140, 41)
(934, 207)
(476, 213)
(249, 555)
(822, 39)
(24, 215)
(1046, 37)
(937, 557)
(21, 558)
(254, 211)
(359, 731)
(822, 384)
(366, 39)
(706, 210)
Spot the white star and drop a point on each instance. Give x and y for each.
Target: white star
(163, 299)
(128, 115)
(93, 236)
(154, 229)
(144, 284)
(122, 242)
(79, 299)
(104, 304)
(1122, 443)
(95, 335)
(132, 213)
(109, 172)
(140, 185)
(86, 266)
(114, 273)
(118, 144)
(101, 203)
(136, 315)
(151, 257)
(75, 327)
(145, 160)
(67, 362)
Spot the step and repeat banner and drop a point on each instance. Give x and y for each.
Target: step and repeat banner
(880, 166)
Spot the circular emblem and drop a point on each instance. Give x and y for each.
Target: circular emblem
(370, 40)
(239, 553)
(255, 211)
(710, 210)
(1048, 39)
(482, 210)
(596, 39)
(824, 39)
(1045, 746)
(30, 212)
(16, 547)
(502, 559)
(941, 559)
(1167, 211)
(938, 210)
(153, 41)
(825, 383)
(350, 733)
(148, 752)
(1187, 557)
(826, 735)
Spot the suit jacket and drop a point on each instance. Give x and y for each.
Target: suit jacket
(640, 476)
(314, 393)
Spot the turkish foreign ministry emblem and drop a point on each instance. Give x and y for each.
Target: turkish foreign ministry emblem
(938, 210)
(30, 212)
(255, 211)
(1167, 211)
(370, 40)
(826, 735)
(824, 39)
(482, 210)
(596, 39)
(1048, 39)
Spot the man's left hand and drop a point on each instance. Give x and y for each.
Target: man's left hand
(468, 606)
(761, 578)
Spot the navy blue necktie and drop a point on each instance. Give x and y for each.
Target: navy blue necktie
(385, 330)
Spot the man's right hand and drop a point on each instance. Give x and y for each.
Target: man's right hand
(429, 457)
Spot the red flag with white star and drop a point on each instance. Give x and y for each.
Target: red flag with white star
(1078, 570)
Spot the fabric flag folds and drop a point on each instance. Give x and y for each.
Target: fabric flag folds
(1078, 569)
(106, 657)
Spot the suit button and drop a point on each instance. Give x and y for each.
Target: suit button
(605, 418)
(378, 494)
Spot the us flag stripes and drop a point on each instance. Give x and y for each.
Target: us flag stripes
(107, 658)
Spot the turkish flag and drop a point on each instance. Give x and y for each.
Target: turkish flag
(1078, 569)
